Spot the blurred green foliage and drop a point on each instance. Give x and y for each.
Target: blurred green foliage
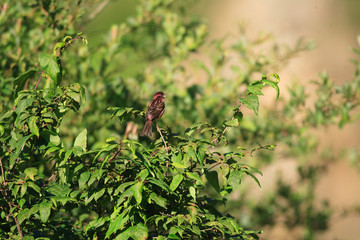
(72, 164)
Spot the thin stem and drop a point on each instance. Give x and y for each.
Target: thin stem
(166, 148)
(17, 224)
(117, 153)
(158, 129)
(2, 172)
(39, 79)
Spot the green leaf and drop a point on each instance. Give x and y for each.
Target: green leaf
(81, 140)
(122, 187)
(251, 102)
(23, 104)
(235, 178)
(99, 194)
(158, 200)
(33, 126)
(89, 199)
(50, 64)
(84, 177)
(96, 223)
(34, 209)
(176, 182)
(63, 200)
(34, 186)
(178, 165)
(161, 184)
(31, 172)
(58, 46)
(276, 76)
(213, 180)
(115, 225)
(138, 232)
(45, 210)
(143, 174)
(232, 123)
(23, 189)
(19, 82)
(24, 214)
(173, 237)
(253, 177)
(255, 89)
(2, 130)
(137, 191)
(196, 177)
(273, 85)
(238, 115)
(192, 191)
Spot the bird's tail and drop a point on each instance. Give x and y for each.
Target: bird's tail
(147, 130)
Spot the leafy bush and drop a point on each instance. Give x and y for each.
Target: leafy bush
(72, 165)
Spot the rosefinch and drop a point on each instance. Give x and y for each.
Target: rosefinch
(154, 112)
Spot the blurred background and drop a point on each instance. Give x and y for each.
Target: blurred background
(334, 26)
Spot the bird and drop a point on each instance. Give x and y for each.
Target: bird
(154, 112)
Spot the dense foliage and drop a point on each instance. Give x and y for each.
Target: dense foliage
(72, 164)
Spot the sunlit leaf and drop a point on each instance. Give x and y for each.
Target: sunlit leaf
(137, 191)
(34, 129)
(45, 210)
(84, 177)
(138, 232)
(158, 200)
(50, 65)
(31, 172)
(251, 102)
(176, 181)
(255, 89)
(232, 123)
(81, 140)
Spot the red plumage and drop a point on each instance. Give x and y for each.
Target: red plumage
(154, 112)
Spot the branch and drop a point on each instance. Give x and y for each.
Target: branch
(17, 224)
(39, 79)
(117, 152)
(2, 172)
(157, 127)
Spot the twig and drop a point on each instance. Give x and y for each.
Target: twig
(216, 164)
(158, 129)
(8, 149)
(53, 175)
(117, 153)
(166, 148)
(17, 223)
(2, 172)
(255, 149)
(39, 80)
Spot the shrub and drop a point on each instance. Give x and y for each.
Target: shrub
(72, 165)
